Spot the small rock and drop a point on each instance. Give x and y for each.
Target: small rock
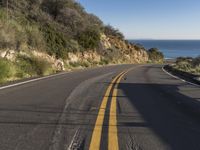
(60, 65)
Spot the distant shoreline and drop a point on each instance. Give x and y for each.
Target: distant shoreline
(173, 48)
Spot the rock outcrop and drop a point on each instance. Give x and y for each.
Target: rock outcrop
(127, 51)
(87, 56)
(8, 54)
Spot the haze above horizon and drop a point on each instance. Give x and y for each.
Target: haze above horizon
(144, 19)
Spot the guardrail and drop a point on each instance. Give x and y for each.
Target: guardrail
(182, 74)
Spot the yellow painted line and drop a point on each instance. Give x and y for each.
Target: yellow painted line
(96, 136)
(112, 130)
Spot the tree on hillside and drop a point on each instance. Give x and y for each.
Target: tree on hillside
(155, 55)
(71, 19)
(109, 30)
(1, 2)
(89, 39)
(53, 7)
(92, 19)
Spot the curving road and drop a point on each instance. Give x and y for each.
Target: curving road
(126, 107)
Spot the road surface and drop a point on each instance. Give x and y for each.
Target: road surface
(125, 107)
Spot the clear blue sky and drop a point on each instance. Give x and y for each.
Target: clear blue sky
(151, 19)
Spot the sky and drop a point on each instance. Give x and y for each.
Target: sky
(149, 19)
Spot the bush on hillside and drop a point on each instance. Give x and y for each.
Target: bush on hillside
(184, 64)
(76, 23)
(7, 69)
(35, 38)
(196, 61)
(110, 31)
(180, 60)
(2, 13)
(56, 42)
(73, 21)
(89, 39)
(188, 64)
(32, 66)
(55, 7)
(155, 55)
(138, 47)
(8, 35)
(91, 19)
(19, 32)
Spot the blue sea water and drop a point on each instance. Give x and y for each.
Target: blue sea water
(173, 48)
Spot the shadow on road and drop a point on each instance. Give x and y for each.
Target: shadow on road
(172, 116)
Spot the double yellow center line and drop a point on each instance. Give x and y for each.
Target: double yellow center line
(112, 130)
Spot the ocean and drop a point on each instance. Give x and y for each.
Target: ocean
(173, 48)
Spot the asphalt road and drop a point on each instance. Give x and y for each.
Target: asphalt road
(126, 107)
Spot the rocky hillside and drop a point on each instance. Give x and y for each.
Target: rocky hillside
(120, 51)
(40, 37)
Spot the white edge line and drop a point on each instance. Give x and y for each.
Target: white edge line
(179, 78)
(33, 80)
(73, 140)
(41, 78)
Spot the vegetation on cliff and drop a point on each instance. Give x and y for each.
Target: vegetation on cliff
(57, 27)
(188, 64)
(155, 55)
(40, 37)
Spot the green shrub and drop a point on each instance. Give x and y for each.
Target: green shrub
(56, 42)
(111, 31)
(85, 64)
(155, 55)
(13, 35)
(2, 14)
(184, 59)
(35, 38)
(104, 61)
(53, 7)
(89, 39)
(188, 64)
(138, 47)
(7, 36)
(32, 66)
(72, 20)
(74, 64)
(7, 70)
(196, 62)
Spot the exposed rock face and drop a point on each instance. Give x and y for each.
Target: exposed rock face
(8, 54)
(104, 42)
(11, 55)
(73, 57)
(128, 53)
(90, 56)
(60, 65)
(42, 55)
(57, 64)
